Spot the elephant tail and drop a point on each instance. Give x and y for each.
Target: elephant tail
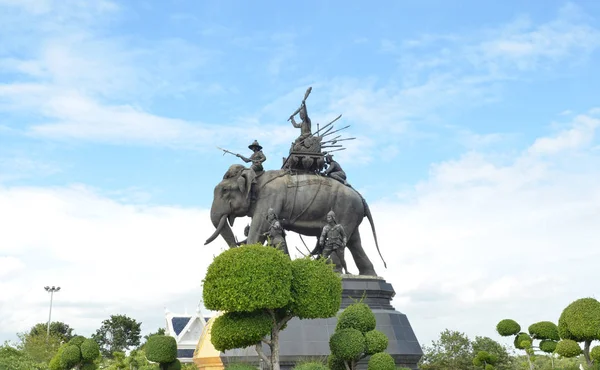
(370, 217)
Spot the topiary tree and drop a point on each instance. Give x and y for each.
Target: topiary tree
(79, 353)
(355, 338)
(485, 360)
(544, 331)
(313, 365)
(579, 322)
(260, 289)
(381, 361)
(162, 349)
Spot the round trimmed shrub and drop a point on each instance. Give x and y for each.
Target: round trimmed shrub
(489, 367)
(311, 366)
(522, 341)
(595, 354)
(248, 278)
(357, 316)
(376, 341)
(316, 289)
(547, 345)
(580, 320)
(161, 349)
(544, 330)
(70, 356)
(335, 363)
(77, 340)
(508, 327)
(175, 365)
(347, 344)
(240, 329)
(568, 348)
(90, 350)
(240, 366)
(88, 366)
(381, 361)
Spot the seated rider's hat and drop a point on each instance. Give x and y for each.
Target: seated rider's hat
(255, 144)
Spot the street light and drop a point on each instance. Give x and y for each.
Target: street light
(50, 290)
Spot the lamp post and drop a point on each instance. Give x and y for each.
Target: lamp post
(50, 290)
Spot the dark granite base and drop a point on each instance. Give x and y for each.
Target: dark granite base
(309, 339)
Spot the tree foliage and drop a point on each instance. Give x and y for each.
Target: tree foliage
(12, 358)
(568, 348)
(485, 360)
(57, 328)
(117, 334)
(508, 327)
(260, 289)
(381, 361)
(454, 350)
(579, 322)
(79, 352)
(355, 338)
(163, 350)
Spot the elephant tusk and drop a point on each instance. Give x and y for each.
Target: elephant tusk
(218, 230)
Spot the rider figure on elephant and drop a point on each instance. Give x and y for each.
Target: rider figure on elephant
(257, 158)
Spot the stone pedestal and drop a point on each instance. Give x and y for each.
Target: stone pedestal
(309, 339)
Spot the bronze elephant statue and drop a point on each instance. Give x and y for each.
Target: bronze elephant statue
(301, 201)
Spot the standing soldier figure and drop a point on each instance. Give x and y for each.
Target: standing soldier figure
(257, 158)
(276, 233)
(333, 239)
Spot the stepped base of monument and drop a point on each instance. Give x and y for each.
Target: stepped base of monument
(307, 340)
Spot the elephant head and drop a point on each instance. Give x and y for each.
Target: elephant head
(231, 200)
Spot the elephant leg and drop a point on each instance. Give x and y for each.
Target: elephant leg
(363, 263)
(258, 228)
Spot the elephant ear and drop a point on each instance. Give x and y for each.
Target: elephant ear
(245, 181)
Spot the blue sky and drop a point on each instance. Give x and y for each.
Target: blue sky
(474, 121)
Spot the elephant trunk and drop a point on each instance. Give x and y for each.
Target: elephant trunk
(223, 229)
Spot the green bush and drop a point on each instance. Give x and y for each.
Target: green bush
(381, 361)
(240, 329)
(357, 316)
(77, 340)
(174, 365)
(311, 366)
(71, 356)
(508, 327)
(240, 366)
(89, 350)
(568, 348)
(311, 281)
(544, 330)
(489, 367)
(248, 278)
(547, 346)
(347, 344)
(161, 349)
(580, 320)
(88, 366)
(522, 341)
(595, 354)
(376, 341)
(335, 363)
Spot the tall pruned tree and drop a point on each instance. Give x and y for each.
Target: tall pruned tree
(117, 334)
(544, 331)
(260, 289)
(355, 338)
(580, 323)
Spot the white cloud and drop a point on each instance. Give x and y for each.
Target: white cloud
(480, 240)
(108, 257)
